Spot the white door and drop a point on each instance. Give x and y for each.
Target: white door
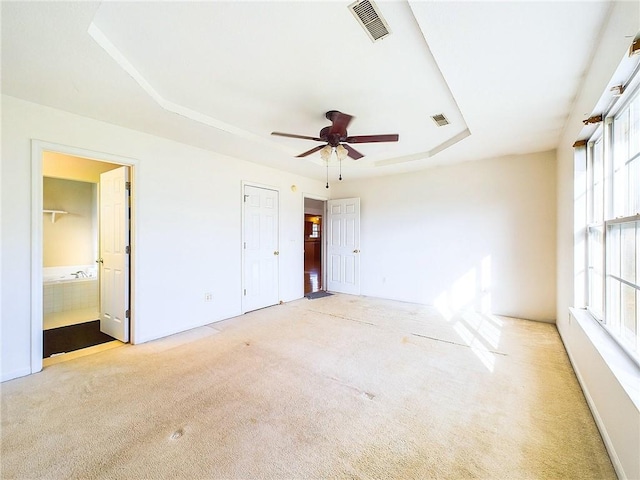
(343, 245)
(114, 253)
(260, 247)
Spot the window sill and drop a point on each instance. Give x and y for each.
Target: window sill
(623, 368)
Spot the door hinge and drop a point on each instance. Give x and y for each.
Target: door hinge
(127, 185)
(245, 245)
(126, 314)
(245, 291)
(127, 249)
(245, 198)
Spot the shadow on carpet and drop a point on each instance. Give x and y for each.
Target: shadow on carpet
(319, 294)
(73, 337)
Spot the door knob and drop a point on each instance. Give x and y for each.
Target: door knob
(356, 251)
(276, 253)
(99, 261)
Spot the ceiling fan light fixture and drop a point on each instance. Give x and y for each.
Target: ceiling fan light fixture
(325, 153)
(342, 152)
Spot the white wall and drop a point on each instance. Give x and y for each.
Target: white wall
(71, 238)
(187, 228)
(473, 235)
(617, 416)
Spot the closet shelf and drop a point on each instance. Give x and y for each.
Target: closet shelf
(54, 213)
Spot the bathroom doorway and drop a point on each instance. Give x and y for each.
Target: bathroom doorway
(313, 245)
(75, 278)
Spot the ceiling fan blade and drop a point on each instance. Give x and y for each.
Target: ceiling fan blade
(353, 153)
(309, 152)
(339, 122)
(373, 138)
(293, 135)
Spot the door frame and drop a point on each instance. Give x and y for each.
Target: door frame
(38, 147)
(244, 184)
(323, 256)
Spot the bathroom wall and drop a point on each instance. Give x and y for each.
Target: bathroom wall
(72, 238)
(59, 165)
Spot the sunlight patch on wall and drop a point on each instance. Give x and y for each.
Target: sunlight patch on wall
(463, 291)
(472, 290)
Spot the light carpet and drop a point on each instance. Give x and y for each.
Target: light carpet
(341, 387)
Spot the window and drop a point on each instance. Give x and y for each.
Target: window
(312, 226)
(595, 227)
(613, 224)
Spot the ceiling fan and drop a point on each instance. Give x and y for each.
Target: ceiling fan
(336, 135)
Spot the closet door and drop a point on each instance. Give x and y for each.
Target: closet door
(343, 245)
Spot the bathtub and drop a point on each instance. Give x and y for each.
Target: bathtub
(63, 292)
(69, 274)
(52, 279)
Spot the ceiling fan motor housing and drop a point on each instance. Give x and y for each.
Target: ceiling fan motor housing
(332, 139)
(330, 114)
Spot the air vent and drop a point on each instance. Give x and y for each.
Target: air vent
(440, 120)
(368, 15)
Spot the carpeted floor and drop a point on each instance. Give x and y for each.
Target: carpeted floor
(73, 337)
(341, 387)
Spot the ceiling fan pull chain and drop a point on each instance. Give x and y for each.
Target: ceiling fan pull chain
(327, 186)
(340, 177)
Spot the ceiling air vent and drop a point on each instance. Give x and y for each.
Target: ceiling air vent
(440, 120)
(368, 15)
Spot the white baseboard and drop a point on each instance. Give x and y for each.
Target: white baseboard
(15, 374)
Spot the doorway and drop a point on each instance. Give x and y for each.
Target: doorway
(70, 225)
(77, 286)
(313, 245)
(312, 253)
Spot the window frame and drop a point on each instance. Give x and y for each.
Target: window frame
(601, 219)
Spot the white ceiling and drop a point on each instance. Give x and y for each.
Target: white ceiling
(224, 75)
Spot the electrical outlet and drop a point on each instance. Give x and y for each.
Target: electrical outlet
(208, 297)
